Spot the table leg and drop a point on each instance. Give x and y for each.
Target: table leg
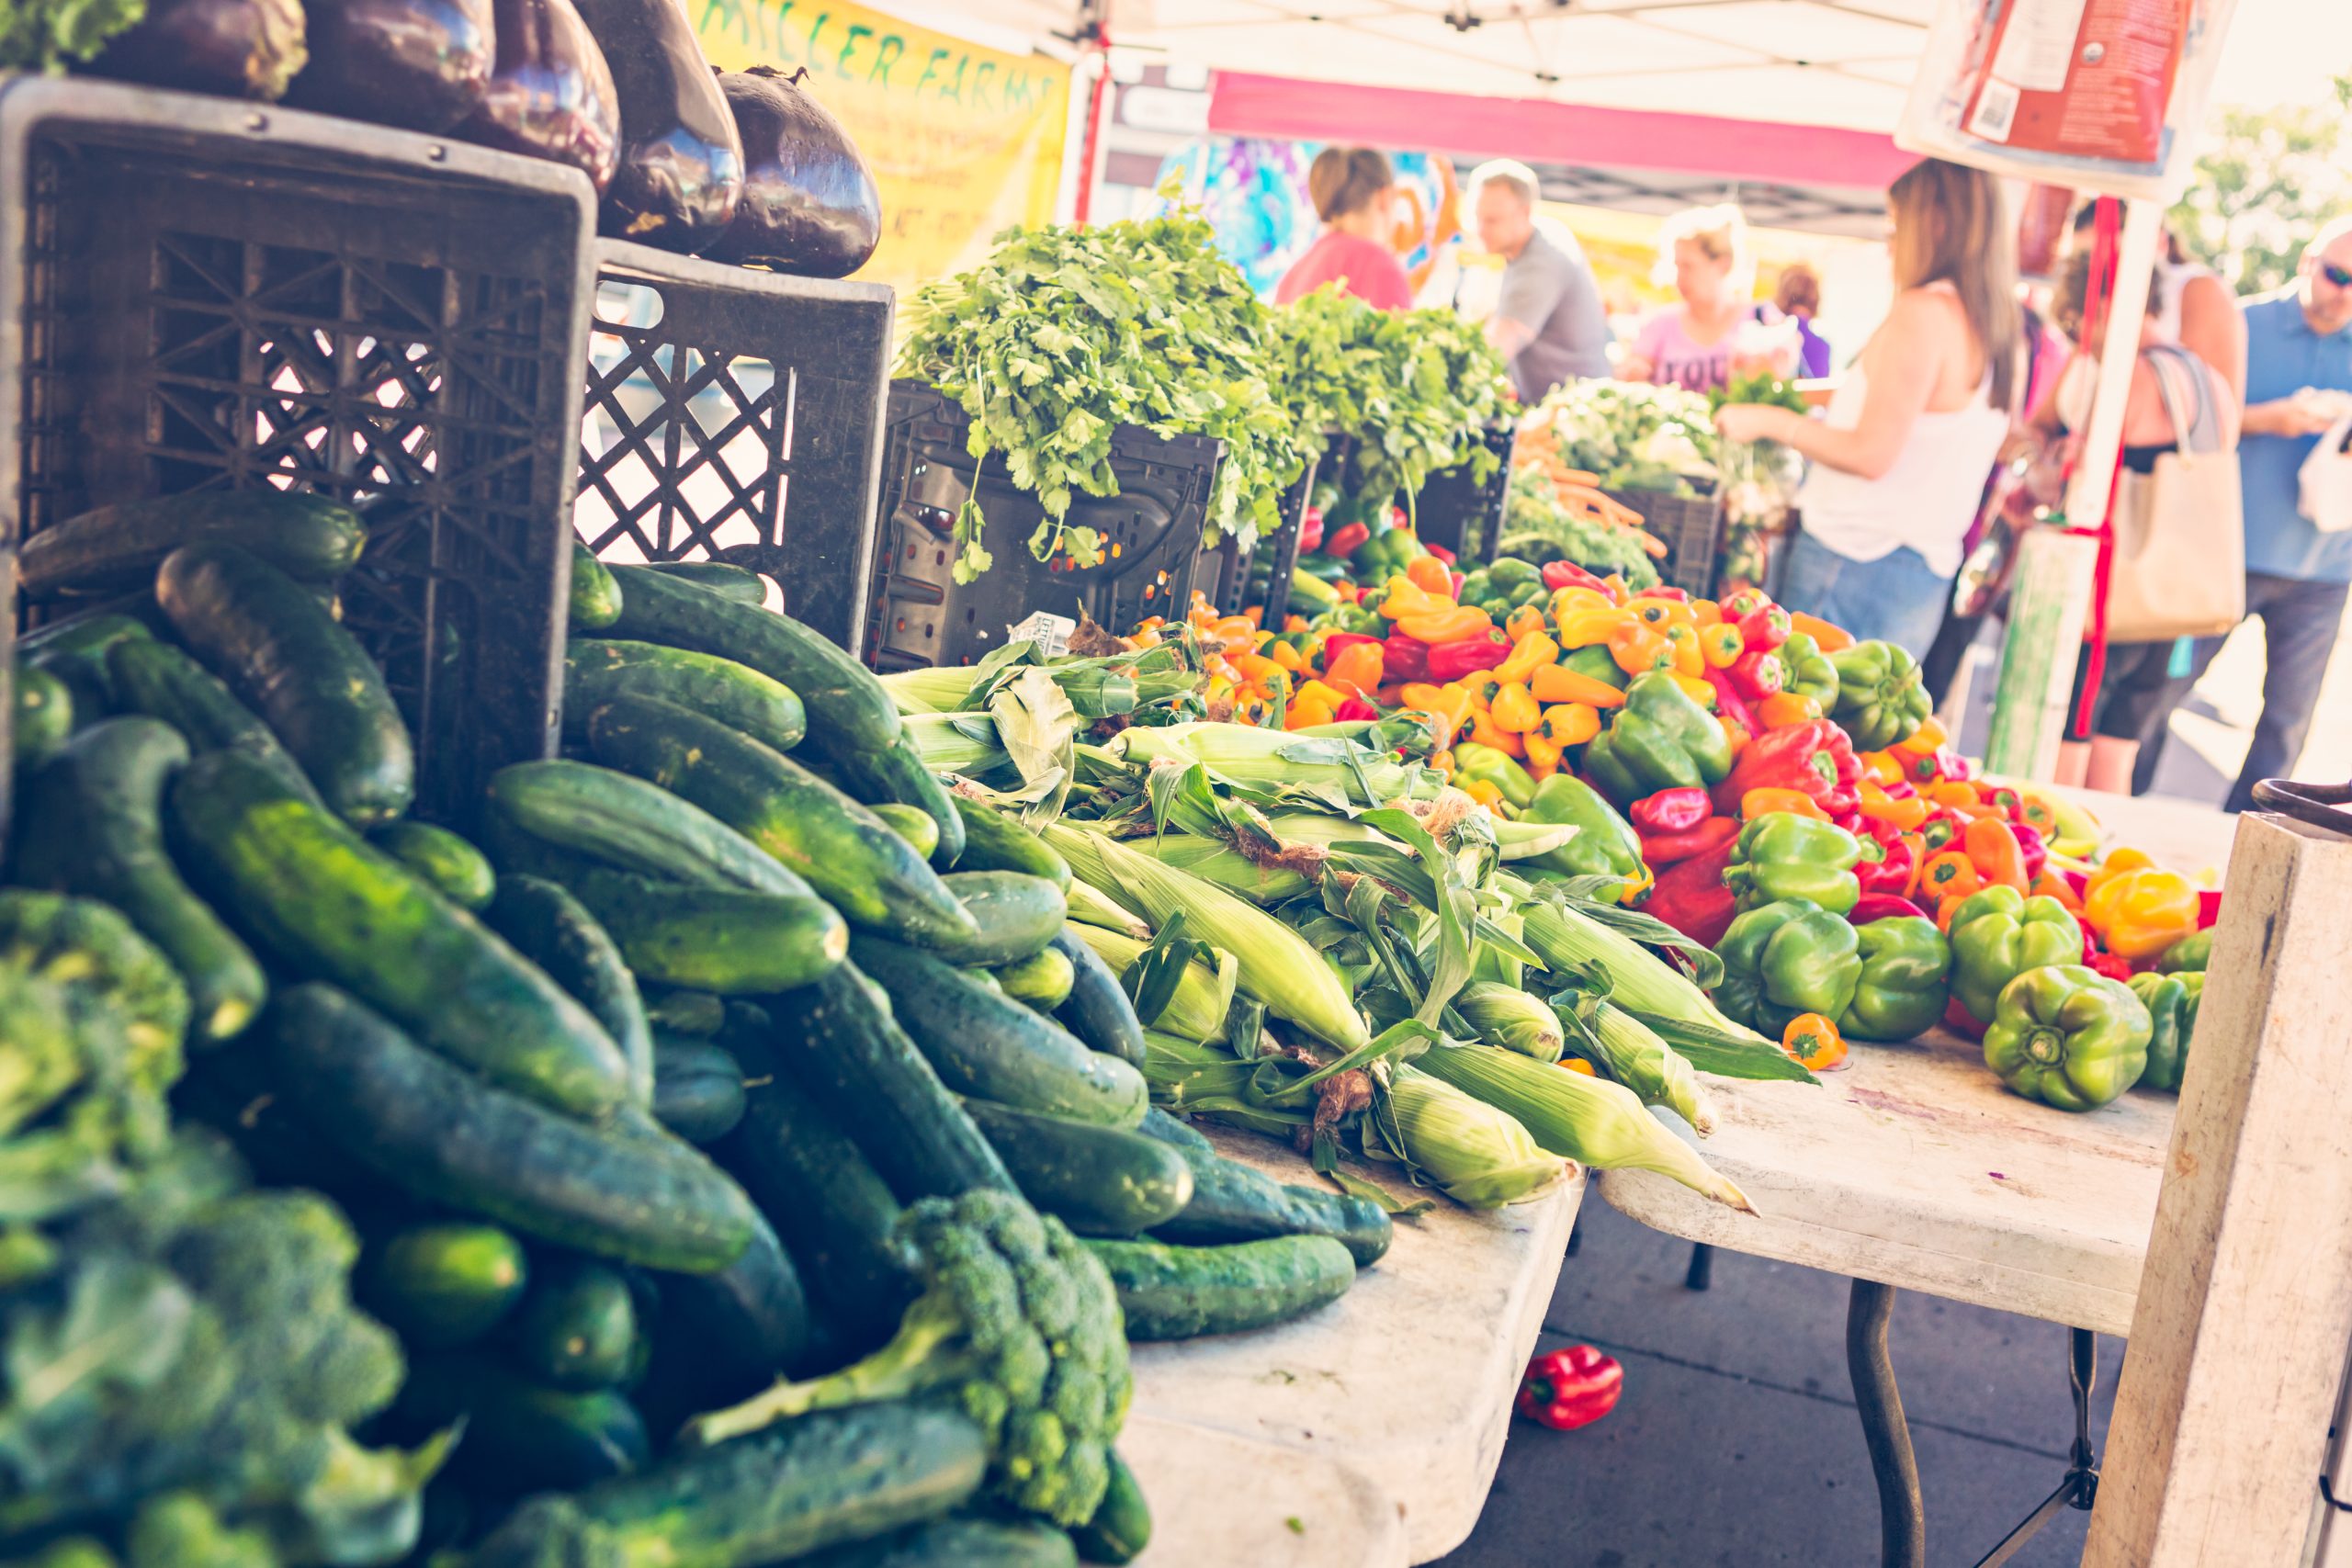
(1701, 1273)
(1902, 1517)
(2080, 1489)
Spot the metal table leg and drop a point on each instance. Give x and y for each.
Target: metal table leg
(1902, 1517)
(1701, 1273)
(2080, 1489)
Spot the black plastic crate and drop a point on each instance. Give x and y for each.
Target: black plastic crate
(1456, 505)
(1691, 527)
(201, 294)
(1151, 535)
(736, 415)
(1224, 570)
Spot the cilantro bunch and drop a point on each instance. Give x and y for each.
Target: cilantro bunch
(43, 34)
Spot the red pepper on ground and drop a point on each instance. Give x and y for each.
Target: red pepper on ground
(1815, 759)
(1355, 710)
(1345, 543)
(1569, 1388)
(1404, 658)
(1452, 660)
(1559, 574)
(1671, 811)
(1691, 897)
(1890, 871)
(1662, 850)
(1758, 673)
(1764, 628)
(1882, 906)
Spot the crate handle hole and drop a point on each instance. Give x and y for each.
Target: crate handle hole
(623, 304)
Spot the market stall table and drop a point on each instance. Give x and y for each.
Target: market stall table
(1220, 1498)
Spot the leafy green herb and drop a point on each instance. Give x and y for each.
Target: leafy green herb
(43, 34)
(1633, 437)
(1537, 527)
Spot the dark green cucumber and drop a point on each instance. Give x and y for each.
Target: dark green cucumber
(457, 871)
(624, 1191)
(1018, 916)
(91, 823)
(735, 694)
(555, 930)
(595, 597)
(897, 775)
(1232, 1202)
(1098, 1008)
(1121, 1527)
(1178, 1293)
(839, 1039)
(910, 824)
(846, 704)
(1101, 1181)
(721, 940)
(725, 1337)
(162, 682)
(81, 636)
(443, 1283)
(956, 1542)
(314, 538)
(994, 842)
(686, 1013)
(319, 900)
(617, 816)
(870, 873)
(255, 628)
(520, 1437)
(43, 715)
(738, 583)
(577, 1327)
(988, 1046)
(697, 1089)
(1042, 980)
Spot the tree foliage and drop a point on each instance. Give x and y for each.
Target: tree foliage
(2267, 180)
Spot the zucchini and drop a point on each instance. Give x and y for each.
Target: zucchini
(956, 1542)
(1179, 1292)
(1121, 1527)
(686, 1013)
(520, 1437)
(611, 815)
(162, 682)
(870, 873)
(697, 1089)
(1042, 980)
(847, 706)
(735, 695)
(577, 1327)
(595, 597)
(1232, 1202)
(625, 1191)
(721, 939)
(909, 823)
(724, 1336)
(442, 1283)
(555, 930)
(985, 1045)
(457, 871)
(1018, 916)
(43, 715)
(311, 537)
(321, 901)
(1099, 1180)
(897, 775)
(738, 583)
(91, 823)
(1098, 1008)
(994, 842)
(256, 628)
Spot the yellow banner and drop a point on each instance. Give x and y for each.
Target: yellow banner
(964, 140)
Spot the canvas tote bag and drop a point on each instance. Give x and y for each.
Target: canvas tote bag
(2179, 562)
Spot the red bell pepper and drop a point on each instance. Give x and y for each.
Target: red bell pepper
(1570, 1388)
(1662, 850)
(1310, 529)
(1691, 897)
(1960, 1020)
(1455, 580)
(1941, 827)
(1339, 642)
(1742, 602)
(1815, 757)
(1347, 541)
(2035, 847)
(1890, 871)
(1882, 906)
(1355, 710)
(1441, 552)
(2209, 907)
(1671, 811)
(1729, 703)
(1664, 590)
(1452, 660)
(1404, 658)
(2109, 965)
(1559, 574)
(1758, 673)
(1764, 628)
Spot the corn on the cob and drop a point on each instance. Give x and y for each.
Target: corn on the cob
(1508, 1016)
(1627, 1052)
(1089, 906)
(1204, 996)
(952, 743)
(1252, 754)
(1640, 981)
(939, 688)
(1477, 1155)
(1216, 862)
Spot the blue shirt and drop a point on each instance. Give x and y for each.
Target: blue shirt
(2282, 357)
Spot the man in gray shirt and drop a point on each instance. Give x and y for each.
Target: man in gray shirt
(1549, 325)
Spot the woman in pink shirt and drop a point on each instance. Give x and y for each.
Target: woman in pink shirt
(1350, 186)
(1689, 346)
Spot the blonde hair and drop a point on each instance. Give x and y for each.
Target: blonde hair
(1347, 179)
(1513, 176)
(1952, 225)
(1720, 233)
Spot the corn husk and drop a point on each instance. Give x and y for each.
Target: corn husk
(1215, 861)
(1640, 981)
(939, 688)
(1525, 840)
(1090, 907)
(1509, 1017)
(1204, 996)
(1627, 1052)
(1335, 768)
(1588, 1119)
(1476, 1155)
(956, 742)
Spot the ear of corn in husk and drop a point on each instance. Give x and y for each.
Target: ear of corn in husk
(1091, 906)
(1509, 1017)
(1478, 1156)
(1640, 981)
(956, 742)
(1627, 1052)
(1204, 996)
(1332, 766)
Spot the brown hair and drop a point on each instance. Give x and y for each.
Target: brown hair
(1346, 179)
(2073, 294)
(1952, 226)
(1799, 289)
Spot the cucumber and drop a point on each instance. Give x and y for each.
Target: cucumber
(457, 871)
(897, 775)
(434, 1130)
(697, 1089)
(909, 823)
(847, 706)
(43, 715)
(870, 873)
(256, 628)
(595, 597)
(956, 1542)
(985, 1045)
(743, 586)
(1232, 1202)
(1101, 1181)
(735, 695)
(311, 537)
(721, 940)
(577, 1327)
(322, 902)
(1179, 1292)
(1098, 1008)
(724, 1336)
(81, 636)
(1018, 917)
(443, 1283)
(555, 930)
(686, 1013)
(611, 815)
(1121, 1527)
(994, 842)
(520, 1437)
(162, 682)
(1042, 980)
(91, 823)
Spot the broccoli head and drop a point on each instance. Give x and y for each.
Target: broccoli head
(1018, 1324)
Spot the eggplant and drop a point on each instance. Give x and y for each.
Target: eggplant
(681, 164)
(809, 201)
(236, 49)
(551, 94)
(418, 64)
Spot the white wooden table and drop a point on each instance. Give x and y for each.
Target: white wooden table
(1218, 1498)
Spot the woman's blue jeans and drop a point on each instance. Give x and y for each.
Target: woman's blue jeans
(1897, 598)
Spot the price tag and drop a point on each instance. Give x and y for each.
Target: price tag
(1051, 633)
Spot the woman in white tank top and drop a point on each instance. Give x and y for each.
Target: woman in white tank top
(1900, 462)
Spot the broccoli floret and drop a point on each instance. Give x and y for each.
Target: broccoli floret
(180, 1530)
(1019, 1325)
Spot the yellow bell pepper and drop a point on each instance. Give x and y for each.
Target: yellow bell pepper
(1661, 613)
(1543, 757)
(1683, 638)
(1317, 692)
(1485, 792)
(1449, 623)
(2118, 862)
(1524, 622)
(1288, 657)
(1706, 612)
(1529, 653)
(1306, 711)
(1513, 708)
(1722, 645)
(1406, 597)
(1591, 629)
(2140, 913)
(1568, 724)
(1255, 667)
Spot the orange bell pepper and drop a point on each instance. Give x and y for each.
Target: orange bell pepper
(1449, 706)
(1571, 601)
(1255, 667)
(1684, 640)
(1479, 688)
(1639, 649)
(2050, 885)
(1514, 708)
(1814, 1042)
(1558, 683)
(1294, 623)
(1569, 724)
(2141, 912)
(1721, 645)
(1317, 692)
(1705, 613)
(1482, 731)
(1442, 762)
(1430, 575)
(1882, 768)
(1828, 637)
(1877, 805)
(1304, 711)
(1525, 622)
(1993, 848)
(1356, 668)
(1449, 623)
(1484, 792)
(1763, 801)
(1951, 875)
(1660, 613)
(1782, 709)
(1592, 628)
(1543, 757)
(1400, 597)
(1928, 739)
(1233, 632)
(1529, 653)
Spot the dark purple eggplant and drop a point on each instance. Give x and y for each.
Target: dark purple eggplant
(237, 49)
(809, 202)
(419, 65)
(681, 164)
(551, 94)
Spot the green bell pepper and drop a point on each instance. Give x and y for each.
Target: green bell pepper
(1807, 670)
(1600, 665)
(1362, 620)
(1497, 608)
(1473, 762)
(1510, 571)
(2172, 1001)
(1525, 594)
(2190, 954)
(1605, 844)
(1999, 934)
(1880, 698)
(1782, 855)
(1660, 740)
(1476, 587)
(2068, 1036)
(1787, 958)
(1901, 992)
